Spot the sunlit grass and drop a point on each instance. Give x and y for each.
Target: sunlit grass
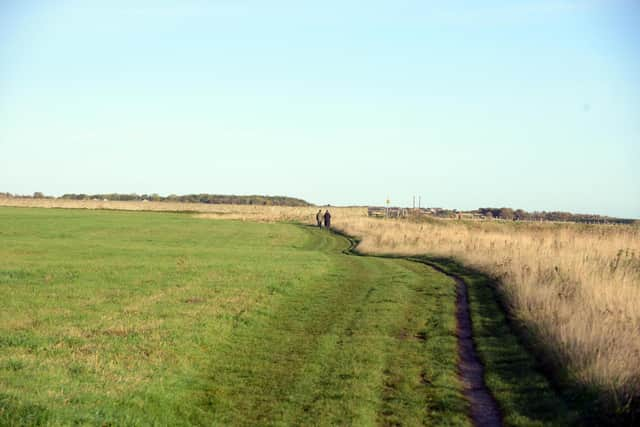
(154, 318)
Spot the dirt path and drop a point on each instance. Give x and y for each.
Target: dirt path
(484, 408)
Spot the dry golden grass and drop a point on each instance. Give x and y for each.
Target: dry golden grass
(304, 214)
(576, 288)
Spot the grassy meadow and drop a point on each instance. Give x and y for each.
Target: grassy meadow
(121, 318)
(573, 290)
(109, 317)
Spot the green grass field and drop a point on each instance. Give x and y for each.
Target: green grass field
(119, 318)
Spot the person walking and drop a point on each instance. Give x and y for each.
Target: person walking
(319, 218)
(327, 219)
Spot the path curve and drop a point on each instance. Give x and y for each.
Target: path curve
(484, 408)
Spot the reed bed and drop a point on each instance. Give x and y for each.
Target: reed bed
(574, 288)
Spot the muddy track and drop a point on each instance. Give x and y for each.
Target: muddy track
(483, 406)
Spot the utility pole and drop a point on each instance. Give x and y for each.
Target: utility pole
(414, 203)
(419, 200)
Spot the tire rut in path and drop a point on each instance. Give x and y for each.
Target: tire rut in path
(484, 408)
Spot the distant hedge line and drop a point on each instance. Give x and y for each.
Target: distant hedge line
(195, 198)
(519, 214)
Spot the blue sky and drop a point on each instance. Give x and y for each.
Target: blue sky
(527, 104)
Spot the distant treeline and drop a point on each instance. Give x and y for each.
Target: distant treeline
(522, 215)
(195, 198)
(187, 198)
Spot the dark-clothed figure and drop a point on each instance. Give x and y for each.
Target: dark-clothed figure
(327, 219)
(319, 218)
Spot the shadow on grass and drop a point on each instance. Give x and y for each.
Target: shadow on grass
(511, 372)
(527, 383)
(530, 388)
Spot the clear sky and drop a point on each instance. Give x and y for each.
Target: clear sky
(531, 104)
